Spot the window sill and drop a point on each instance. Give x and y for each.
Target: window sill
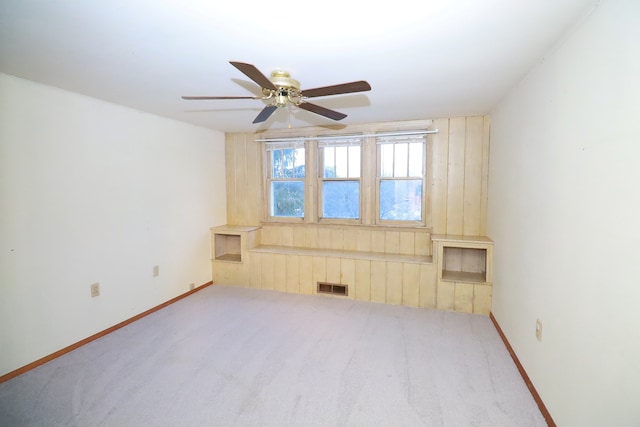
(336, 224)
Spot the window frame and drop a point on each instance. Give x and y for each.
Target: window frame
(268, 150)
(393, 140)
(333, 142)
(369, 189)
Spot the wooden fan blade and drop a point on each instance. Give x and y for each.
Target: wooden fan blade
(359, 86)
(265, 113)
(322, 111)
(220, 97)
(254, 74)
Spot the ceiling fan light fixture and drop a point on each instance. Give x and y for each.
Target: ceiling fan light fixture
(281, 98)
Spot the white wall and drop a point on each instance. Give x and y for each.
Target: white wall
(564, 211)
(95, 192)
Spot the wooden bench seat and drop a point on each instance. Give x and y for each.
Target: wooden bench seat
(371, 256)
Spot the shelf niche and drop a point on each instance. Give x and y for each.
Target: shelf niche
(228, 247)
(230, 242)
(464, 264)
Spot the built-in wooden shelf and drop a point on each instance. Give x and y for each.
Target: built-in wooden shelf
(229, 242)
(229, 257)
(462, 264)
(227, 247)
(464, 276)
(463, 258)
(464, 272)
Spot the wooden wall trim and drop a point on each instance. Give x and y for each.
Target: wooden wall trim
(523, 373)
(61, 352)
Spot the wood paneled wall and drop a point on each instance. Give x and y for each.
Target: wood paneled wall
(457, 167)
(244, 179)
(456, 205)
(400, 283)
(460, 170)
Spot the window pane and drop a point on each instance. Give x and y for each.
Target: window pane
(298, 162)
(341, 199)
(288, 163)
(415, 159)
(400, 160)
(401, 200)
(276, 164)
(329, 162)
(341, 162)
(287, 198)
(354, 161)
(386, 160)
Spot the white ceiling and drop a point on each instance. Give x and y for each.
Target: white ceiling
(423, 59)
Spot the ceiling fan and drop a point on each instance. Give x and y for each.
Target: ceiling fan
(280, 90)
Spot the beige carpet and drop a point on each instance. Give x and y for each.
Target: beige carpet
(229, 356)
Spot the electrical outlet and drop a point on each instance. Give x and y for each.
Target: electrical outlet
(539, 329)
(192, 286)
(156, 270)
(95, 290)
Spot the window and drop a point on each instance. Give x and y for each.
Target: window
(339, 182)
(286, 179)
(360, 177)
(400, 177)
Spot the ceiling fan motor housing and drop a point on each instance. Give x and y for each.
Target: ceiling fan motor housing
(283, 79)
(288, 89)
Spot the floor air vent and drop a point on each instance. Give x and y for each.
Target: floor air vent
(333, 289)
